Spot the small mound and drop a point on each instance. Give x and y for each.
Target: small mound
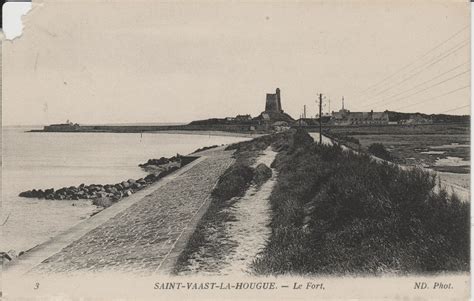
(262, 174)
(234, 182)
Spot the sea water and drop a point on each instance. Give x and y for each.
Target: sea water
(55, 160)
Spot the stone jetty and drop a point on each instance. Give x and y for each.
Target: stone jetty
(109, 193)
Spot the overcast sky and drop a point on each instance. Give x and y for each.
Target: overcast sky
(120, 62)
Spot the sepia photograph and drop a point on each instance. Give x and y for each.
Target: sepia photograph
(253, 150)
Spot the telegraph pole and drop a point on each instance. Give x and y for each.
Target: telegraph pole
(320, 118)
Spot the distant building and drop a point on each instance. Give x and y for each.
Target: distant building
(273, 102)
(273, 110)
(239, 118)
(346, 117)
(66, 127)
(416, 119)
(245, 117)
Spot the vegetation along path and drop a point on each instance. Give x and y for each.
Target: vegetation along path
(146, 237)
(241, 230)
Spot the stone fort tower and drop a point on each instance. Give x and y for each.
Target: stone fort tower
(273, 103)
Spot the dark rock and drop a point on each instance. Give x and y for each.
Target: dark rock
(125, 184)
(102, 194)
(25, 194)
(116, 197)
(150, 178)
(262, 174)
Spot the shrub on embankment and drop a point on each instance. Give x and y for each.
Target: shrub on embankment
(335, 212)
(379, 150)
(233, 183)
(262, 174)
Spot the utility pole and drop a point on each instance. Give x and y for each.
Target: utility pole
(304, 111)
(320, 119)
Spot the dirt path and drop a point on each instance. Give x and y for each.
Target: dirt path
(243, 236)
(251, 228)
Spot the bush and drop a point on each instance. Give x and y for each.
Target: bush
(262, 174)
(379, 150)
(234, 182)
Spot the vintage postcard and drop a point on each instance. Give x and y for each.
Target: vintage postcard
(237, 150)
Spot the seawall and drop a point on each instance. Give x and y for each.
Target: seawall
(142, 234)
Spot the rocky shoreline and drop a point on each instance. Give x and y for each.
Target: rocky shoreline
(106, 195)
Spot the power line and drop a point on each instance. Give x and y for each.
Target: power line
(443, 56)
(422, 90)
(422, 56)
(433, 97)
(421, 84)
(462, 107)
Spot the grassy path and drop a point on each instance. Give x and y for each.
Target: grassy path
(234, 241)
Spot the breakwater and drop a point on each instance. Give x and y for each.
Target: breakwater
(233, 128)
(106, 195)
